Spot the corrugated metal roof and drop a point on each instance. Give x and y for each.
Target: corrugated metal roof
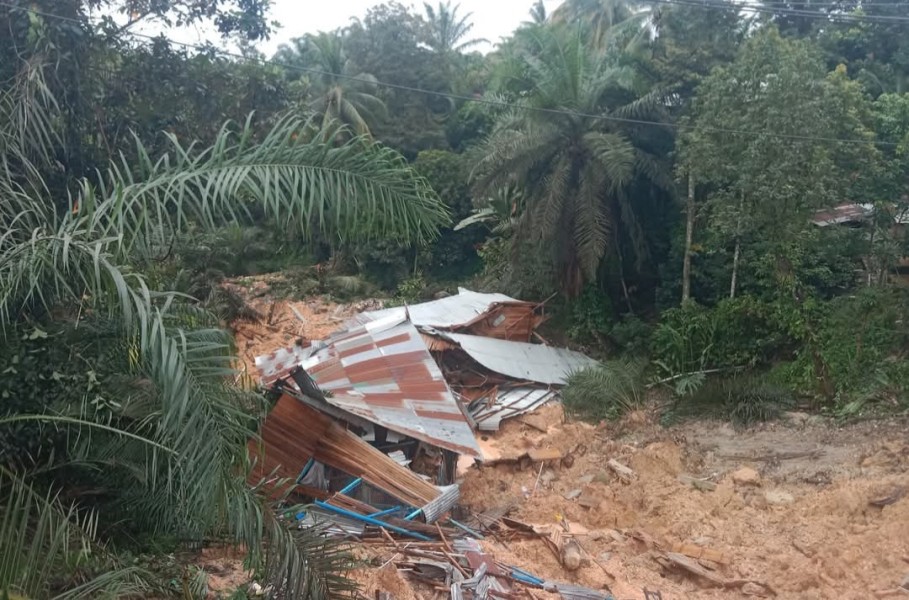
(443, 313)
(488, 413)
(383, 372)
(848, 212)
(519, 360)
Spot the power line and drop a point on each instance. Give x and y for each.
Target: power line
(793, 12)
(475, 100)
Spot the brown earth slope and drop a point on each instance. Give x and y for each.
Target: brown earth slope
(798, 514)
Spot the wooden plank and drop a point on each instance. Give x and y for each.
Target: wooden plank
(689, 565)
(701, 553)
(541, 454)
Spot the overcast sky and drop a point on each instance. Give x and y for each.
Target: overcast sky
(492, 19)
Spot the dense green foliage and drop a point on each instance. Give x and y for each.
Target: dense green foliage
(652, 170)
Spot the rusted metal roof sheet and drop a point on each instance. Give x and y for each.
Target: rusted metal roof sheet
(444, 313)
(520, 360)
(383, 372)
(848, 212)
(294, 432)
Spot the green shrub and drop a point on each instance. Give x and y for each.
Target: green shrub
(631, 335)
(604, 392)
(411, 290)
(590, 316)
(743, 400)
(734, 333)
(863, 340)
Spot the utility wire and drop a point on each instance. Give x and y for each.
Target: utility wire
(790, 12)
(473, 99)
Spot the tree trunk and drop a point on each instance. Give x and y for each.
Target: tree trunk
(735, 268)
(621, 261)
(689, 234)
(738, 248)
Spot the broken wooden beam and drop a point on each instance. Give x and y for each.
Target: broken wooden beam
(624, 473)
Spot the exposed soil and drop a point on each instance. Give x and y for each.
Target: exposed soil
(805, 525)
(224, 566)
(806, 528)
(284, 321)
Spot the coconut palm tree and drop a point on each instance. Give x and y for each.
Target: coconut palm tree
(576, 159)
(341, 93)
(448, 30)
(165, 454)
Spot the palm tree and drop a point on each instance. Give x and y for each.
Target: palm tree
(168, 456)
(341, 93)
(619, 21)
(538, 13)
(576, 160)
(448, 29)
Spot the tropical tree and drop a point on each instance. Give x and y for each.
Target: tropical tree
(448, 30)
(341, 94)
(156, 442)
(569, 148)
(617, 22)
(538, 14)
(387, 37)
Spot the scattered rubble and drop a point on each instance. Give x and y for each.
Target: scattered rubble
(628, 511)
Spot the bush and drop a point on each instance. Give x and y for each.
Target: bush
(862, 338)
(742, 400)
(411, 290)
(591, 316)
(734, 333)
(631, 335)
(604, 392)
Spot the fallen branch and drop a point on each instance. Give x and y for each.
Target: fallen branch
(681, 375)
(297, 314)
(681, 561)
(890, 498)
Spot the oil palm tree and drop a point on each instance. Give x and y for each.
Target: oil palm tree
(341, 94)
(448, 30)
(538, 14)
(567, 145)
(622, 22)
(170, 458)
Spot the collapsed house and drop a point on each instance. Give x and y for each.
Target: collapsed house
(369, 423)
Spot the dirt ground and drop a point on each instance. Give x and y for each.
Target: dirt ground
(788, 504)
(803, 524)
(284, 321)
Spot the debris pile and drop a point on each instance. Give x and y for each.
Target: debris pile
(368, 424)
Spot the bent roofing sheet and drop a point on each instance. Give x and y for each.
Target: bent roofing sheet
(445, 312)
(488, 415)
(383, 373)
(522, 361)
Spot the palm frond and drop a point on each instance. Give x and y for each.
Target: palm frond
(356, 189)
(605, 392)
(616, 156)
(43, 543)
(592, 225)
